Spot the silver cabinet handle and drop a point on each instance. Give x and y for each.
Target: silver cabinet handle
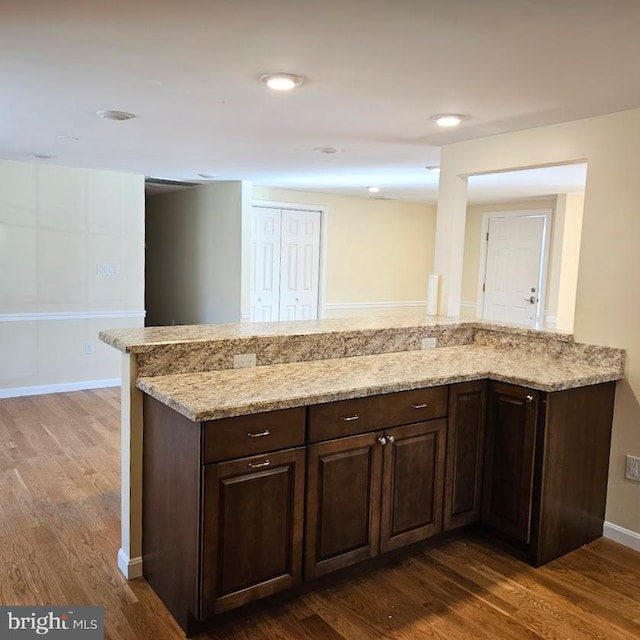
(390, 439)
(259, 465)
(530, 398)
(350, 418)
(422, 405)
(259, 434)
(382, 440)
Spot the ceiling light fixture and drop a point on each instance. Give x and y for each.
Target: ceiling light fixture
(43, 156)
(207, 176)
(433, 169)
(327, 150)
(109, 114)
(281, 81)
(448, 119)
(373, 189)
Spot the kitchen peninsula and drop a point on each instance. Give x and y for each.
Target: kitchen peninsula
(351, 438)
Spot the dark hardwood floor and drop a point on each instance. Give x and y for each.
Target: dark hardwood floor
(60, 531)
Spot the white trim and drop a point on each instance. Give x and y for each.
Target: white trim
(17, 392)
(323, 210)
(550, 322)
(129, 568)
(245, 316)
(624, 536)
(331, 306)
(546, 240)
(468, 305)
(70, 315)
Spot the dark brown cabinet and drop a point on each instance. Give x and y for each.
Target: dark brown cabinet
(510, 448)
(465, 453)
(546, 466)
(413, 476)
(237, 509)
(372, 493)
(343, 504)
(252, 528)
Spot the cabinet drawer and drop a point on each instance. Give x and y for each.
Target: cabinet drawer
(348, 417)
(249, 435)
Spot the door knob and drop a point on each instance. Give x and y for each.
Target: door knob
(531, 300)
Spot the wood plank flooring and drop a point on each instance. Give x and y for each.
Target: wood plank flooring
(60, 533)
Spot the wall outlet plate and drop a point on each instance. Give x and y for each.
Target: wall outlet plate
(633, 468)
(89, 348)
(429, 343)
(244, 360)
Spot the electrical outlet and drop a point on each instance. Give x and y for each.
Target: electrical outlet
(244, 360)
(89, 348)
(429, 343)
(633, 468)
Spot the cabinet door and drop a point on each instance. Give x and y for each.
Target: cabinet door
(252, 528)
(343, 503)
(510, 448)
(465, 453)
(413, 476)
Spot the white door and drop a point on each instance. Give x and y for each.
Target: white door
(299, 265)
(265, 264)
(285, 264)
(514, 269)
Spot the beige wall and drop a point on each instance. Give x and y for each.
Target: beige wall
(378, 251)
(607, 306)
(56, 225)
(194, 254)
(571, 206)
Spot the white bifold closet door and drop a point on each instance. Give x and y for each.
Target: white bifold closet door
(285, 264)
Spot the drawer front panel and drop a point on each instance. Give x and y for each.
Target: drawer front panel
(249, 435)
(349, 417)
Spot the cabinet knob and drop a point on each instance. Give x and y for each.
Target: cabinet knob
(382, 440)
(530, 398)
(390, 439)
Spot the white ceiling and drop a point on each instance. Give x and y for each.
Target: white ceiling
(376, 71)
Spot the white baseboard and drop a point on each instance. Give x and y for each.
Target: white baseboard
(332, 306)
(624, 536)
(468, 305)
(550, 322)
(16, 392)
(130, 568)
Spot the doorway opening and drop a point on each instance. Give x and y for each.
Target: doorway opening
(513, 266)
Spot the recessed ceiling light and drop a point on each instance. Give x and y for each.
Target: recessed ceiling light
(281, 81)
(43, 156)
(433, 169)
(328, 150)
(115, 115)
(448, 119)
(373, 189)
(207, 176)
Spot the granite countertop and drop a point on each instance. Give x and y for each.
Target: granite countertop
(141, 339)
(218, 394)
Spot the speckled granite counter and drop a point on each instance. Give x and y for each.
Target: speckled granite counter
(217, 394)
